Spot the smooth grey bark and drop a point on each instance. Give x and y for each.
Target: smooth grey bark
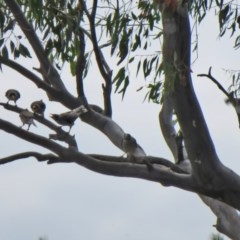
(208, 173)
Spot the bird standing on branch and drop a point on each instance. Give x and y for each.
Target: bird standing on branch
(68, 118)
(27, 118)
(133, 150)
(131, 147)
(38, 107)
(129, 144)
(12, 95)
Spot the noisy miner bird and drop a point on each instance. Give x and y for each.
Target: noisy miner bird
(133, 150)
(68, 118)
(27, 118)
(130, 146)
(38, 107)
(12, 95)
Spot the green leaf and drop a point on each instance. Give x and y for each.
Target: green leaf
(24, 51)
(1, 41)
(120, 74)
(131, 59)
(124, 88)
(123, 48)
(5, 52)
(16, 53)
(73, 67)
(223, 15)
(119, 78)
(12, 46)
(138, 67)
(137, 43)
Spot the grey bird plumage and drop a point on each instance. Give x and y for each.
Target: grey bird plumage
(68, 118)
(12, 95)
(131, 147)
(38, 107)
(27, 118)
(133, 150)
(129, 144)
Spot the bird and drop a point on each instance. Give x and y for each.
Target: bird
(67, 118)
(133, 150)
(27, 118)
(129, 144)
(131, 147)
(38, 107)
(12, 95)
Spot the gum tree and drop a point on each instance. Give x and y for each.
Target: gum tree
(77, 32)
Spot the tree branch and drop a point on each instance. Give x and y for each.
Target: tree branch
(104, 69)
(28, 74)
(142, 160)
(230, 97)
(40, 157)
(54, 94)
(166, 124)
(228, 221)
(31, 137)
(209, 75)
(115, 167)
(60, 135)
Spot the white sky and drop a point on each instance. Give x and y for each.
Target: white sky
(66, 201)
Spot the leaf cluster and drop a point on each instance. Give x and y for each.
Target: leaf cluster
(133, 28)
(10, 41)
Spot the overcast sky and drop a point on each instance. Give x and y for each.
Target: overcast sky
(66, 201)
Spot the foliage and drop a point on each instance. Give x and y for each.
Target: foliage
(127, 30)
(124, 28)
(216, 237)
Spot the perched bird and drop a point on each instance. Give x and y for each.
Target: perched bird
(130, 146)
(67, 118)
(38, 107)
(12, 95)
(27, 118)
(133, 150)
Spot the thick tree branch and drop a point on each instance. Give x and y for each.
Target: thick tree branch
(166, 124)
(100, 164)
(228, 220)
(31, 137)
(153, 160)
(213, 179)
(176, 54)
